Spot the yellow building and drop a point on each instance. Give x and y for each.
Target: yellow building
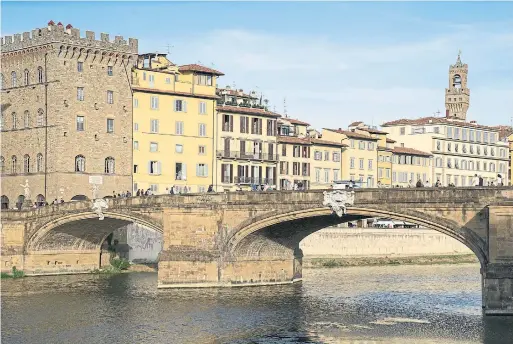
(295, 163)
(359, 156)
(410, 166)
(174, 109)
(246, 142)
(326, 163)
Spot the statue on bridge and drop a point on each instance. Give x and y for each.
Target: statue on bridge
(26, 189)
(338, 200)
(98, 206)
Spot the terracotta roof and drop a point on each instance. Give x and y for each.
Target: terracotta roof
(354, 124)
(296, 121)
(381, 148)
(328, 143)
(390, 140)
(406, 150)
(373, 131)
(294, 139)
(199, 68)
(504, 131)
(174, 93)
(436, 120)
(353, 135)
(249, 111)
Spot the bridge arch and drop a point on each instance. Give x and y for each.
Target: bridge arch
(283, 232)
(81, 231)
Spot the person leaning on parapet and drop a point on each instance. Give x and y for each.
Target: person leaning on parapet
(499, 180)
(419, 184)
(427, 185)
(481, 181)
(438, 184)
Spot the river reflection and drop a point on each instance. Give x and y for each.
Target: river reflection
(389, 304)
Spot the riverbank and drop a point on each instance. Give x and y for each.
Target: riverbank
(328, 262)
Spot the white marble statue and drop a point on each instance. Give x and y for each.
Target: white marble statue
(98, 206)
(26, 189)
(338, 200)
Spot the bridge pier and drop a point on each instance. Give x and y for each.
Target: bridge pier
(498, 289)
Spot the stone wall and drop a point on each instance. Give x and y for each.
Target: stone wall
(349, 242)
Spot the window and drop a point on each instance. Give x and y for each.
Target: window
(26, 119)
(228, 123)
(478, 136)
(283, 150)
(26, 77)
(80, 123)
(177, 77)
(40, 118)
(154, 147)
(39, 162)
(79, 163)
(110, 71)
(449, 147)
(438, 145)
(154, 167)
(449, 163)
(317, 175)
(485, 137)
(455, 147)
(168, 80)
(14, 121)
(151, 80)
(180, 171)
(271, 127)
(492, 151)
(109, 165)
(154, 188)
(403, 131)
(40, 77)
(110, 125)
(202, 170)
(110, 97)
(256, 126)
(370, 146)
(80, 67)
(26, 163)
(154, 125)
(336, 174)
(361, 145)
(361, 164)
(202, 108)
(80, 93)
(179, 148)
(136, 170)
(472, 135)
(202, 129)
(136, 126)
(370, 164)
(144, 75)
(336, 157)
(457, 133)
(449, 132)
(13, 79)
(203, 79)
(351, 162)
(136, 103)
(136, 145)
(180, 105)
(317, 155)
(326, 175)
(202, 150)
(14, 164)
(244, 125)
(436, 130)
(351, 143)
(464, 149)
(154, 100)
(464, 134)
(326, 156)
(179, 128)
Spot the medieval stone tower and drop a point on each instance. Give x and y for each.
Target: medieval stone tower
(66, 113)
(457, 96)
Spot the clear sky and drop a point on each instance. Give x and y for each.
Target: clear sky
(335, 62)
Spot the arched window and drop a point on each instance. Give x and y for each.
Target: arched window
(26, 119)
(14, 120)
(14, 164)
(1, 81)
(492, 167)
(79, 163)
(39, 162)
(40, 118)
(26, 77)
(13, 79)
(463, 164)
(109, 165)
(2, 164)
(40, 77)
(26, 163)
(5, 202)
(40, 200)
(471, 165)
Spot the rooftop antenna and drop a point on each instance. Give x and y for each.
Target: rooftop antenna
(285, 107)
(168, 48)
(437, 113)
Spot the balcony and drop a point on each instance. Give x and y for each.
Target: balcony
(253, 180)
(246, 155)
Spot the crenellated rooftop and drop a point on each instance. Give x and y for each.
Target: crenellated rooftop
(69, 35)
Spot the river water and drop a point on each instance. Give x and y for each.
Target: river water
(385, 304)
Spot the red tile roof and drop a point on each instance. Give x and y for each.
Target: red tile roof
(174, 93)
(327, 143)
(373, 131)
(199, 68)
(354, 124)
(406, 150)
(436, 120)
(249, 111)
(381, 148)
(308, 141)
(353, 135)
(390, 140)
(295, 121)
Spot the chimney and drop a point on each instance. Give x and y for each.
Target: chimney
(447, 113)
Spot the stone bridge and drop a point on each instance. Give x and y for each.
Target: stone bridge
(252, 238)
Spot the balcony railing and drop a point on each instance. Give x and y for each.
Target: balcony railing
(246, 155)
(253, 180)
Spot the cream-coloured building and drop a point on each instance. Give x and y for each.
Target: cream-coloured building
(246, 146)
(326, 164)
(359, 154)
(174, 128)
(409, 166)
(460, 149)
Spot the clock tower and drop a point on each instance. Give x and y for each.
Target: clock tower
(457, 95)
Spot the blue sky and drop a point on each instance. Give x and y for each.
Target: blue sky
(335, 62)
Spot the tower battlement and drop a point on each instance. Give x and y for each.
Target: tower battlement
(69, 35)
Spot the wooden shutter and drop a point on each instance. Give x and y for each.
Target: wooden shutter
(231, 173)
(260, 172)
(242, 147)
(159, 167)
(184, 171)
(184, 105)
(149, 167)
(242, 125)
(222, 173)
(274, 175)
(260, 126)
(231, 123)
